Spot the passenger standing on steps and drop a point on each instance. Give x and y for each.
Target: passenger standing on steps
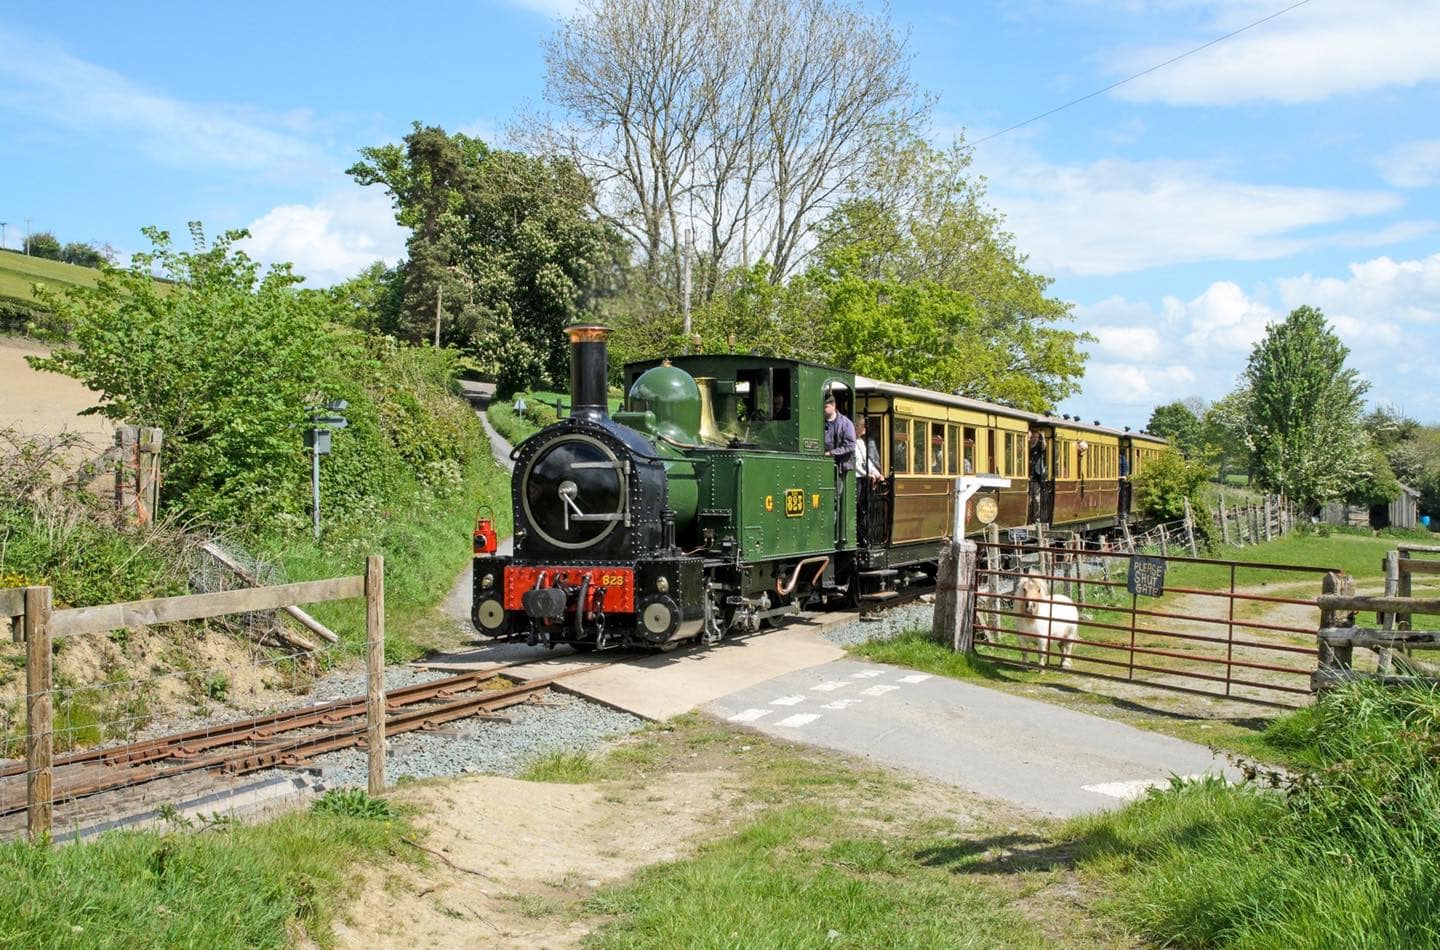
(1037, 476)
(840, 446)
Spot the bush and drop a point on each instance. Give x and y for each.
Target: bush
(1161, 489)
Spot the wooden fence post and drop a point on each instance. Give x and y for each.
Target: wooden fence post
(147, 473)
(1392, 587)
(39, 715)
(1129, 538)
(955, 597)
(375, 668)
(1190, 528)
(1268, 535)
(1224, 522)
(1333, 661)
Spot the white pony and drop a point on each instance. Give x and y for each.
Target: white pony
(1045, 619)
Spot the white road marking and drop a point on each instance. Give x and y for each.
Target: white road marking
(798, 720)
(787, 701)
(842, 704)
(750, 715)
(830, 686)
(866, 674)
(915, 678)
(1128, 791)
(879, 689)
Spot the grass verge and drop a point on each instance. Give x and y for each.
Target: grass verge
(816, 852)
(1344, 855)
(230, 886)
(568, 768)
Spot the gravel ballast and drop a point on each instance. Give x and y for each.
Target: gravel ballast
(882, 625)
(565, 724)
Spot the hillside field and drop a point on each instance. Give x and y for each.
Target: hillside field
(19, 273)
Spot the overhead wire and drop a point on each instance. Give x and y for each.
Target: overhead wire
(1144, 72)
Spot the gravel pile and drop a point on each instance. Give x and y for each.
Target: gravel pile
(883, 625)
(570, 725)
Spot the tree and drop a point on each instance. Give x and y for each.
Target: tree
(742, 121)
(223, 359)
(1222, 433)
(502, 244)
(82, 255)
(1303, 424)
(925, 286)
(1178, 423)
(43, 244)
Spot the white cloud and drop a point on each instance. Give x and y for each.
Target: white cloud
(1312, 53)
(1386, 311)
(1412, 164)
(330, 240)
(1116, 216)
(49, 85)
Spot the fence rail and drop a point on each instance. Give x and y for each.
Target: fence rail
(39, 626)
(1392, 637)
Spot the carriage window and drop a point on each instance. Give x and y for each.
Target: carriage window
(900, 446)
(1062, 449)
(918, 445)
(992, 464)
(937, 448)
(969, 451)
(952, 450)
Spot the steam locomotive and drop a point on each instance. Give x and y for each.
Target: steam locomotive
(706, 506)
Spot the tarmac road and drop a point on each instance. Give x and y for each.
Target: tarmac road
(1034, 754)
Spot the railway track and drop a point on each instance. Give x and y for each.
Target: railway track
(286, 738)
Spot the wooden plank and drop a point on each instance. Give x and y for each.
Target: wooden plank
(1407, 566)
(1421, 548)
(1374, 639)
(375, 671)
(300, 616)
(141, 613)
(12, 601)
(1379, 604)
(39, 715)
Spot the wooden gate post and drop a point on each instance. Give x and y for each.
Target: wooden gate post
(1333, 661)
(955, 597)
(39, 715)
(1190, 528)
(1224, 523)
(375, 670)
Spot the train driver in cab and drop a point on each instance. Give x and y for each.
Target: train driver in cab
(840, 446)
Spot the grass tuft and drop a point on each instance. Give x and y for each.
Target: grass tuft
(567, 768)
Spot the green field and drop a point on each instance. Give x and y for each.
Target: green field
(19, 274)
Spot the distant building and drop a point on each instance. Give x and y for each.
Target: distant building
(1403, 512)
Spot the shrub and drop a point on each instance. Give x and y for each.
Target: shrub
(1161, 489)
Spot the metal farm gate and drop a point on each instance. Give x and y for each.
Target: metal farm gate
(1230, 629)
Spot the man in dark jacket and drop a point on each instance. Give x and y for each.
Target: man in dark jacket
(840, 446)
(1038, 474)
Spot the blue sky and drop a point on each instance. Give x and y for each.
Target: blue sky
(1296, 163)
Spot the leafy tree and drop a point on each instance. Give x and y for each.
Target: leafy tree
(1161, 489)
(502, 242)
(923, 285)
(1303, 425)
(224, 359)
(43, 244)
(1376, 483)
(1178, 423)
(83, 255)
(1222, 433)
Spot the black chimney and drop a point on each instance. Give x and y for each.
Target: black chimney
(589, 369)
